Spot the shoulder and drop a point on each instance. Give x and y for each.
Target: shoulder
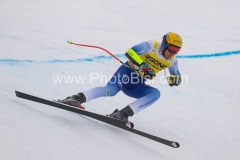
(144, 47)
(149, 44)
(174, 61)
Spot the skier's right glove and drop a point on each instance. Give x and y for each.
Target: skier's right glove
(147, 71)
(174, 80)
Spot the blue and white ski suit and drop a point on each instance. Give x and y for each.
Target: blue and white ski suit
(133, 85)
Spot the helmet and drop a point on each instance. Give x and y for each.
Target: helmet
(173, 39)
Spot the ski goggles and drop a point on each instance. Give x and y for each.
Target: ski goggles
(171, 48)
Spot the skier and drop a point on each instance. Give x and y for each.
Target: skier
(145, 60)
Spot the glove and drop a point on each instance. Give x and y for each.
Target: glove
(147, 72)
(174, 80)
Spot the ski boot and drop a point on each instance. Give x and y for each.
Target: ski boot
(75, 100)
(122, 114)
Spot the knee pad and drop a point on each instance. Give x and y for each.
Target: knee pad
(111, 90)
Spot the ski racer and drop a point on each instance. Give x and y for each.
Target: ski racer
(145, 60)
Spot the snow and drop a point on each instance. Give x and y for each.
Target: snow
(202, 114)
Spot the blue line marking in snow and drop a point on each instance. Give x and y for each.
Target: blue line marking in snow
(14, 61)
(209, 55)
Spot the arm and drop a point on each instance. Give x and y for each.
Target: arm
(132, 53)
(133, 57)
(173, 69)
(175, 77)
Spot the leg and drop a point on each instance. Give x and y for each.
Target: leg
(96, 92)
(111, 89)
(113, 86)
(146, 96)
(82, 97)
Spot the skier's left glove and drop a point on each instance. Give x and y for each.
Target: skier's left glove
(148, 72)
(174, 80)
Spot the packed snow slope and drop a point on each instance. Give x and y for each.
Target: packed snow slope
(202, 114)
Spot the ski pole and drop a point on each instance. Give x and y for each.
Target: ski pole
(86, 45)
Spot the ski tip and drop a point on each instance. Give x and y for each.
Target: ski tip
(70, 42)
(17, 93)
(175, 145)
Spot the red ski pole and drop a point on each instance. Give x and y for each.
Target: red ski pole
(86, 45)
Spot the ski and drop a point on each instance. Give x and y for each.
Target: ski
(118, 123)
(128, 126)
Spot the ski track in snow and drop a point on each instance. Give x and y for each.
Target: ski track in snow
(202, 114)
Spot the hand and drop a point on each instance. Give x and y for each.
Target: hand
(174, 80)
(147, 72)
